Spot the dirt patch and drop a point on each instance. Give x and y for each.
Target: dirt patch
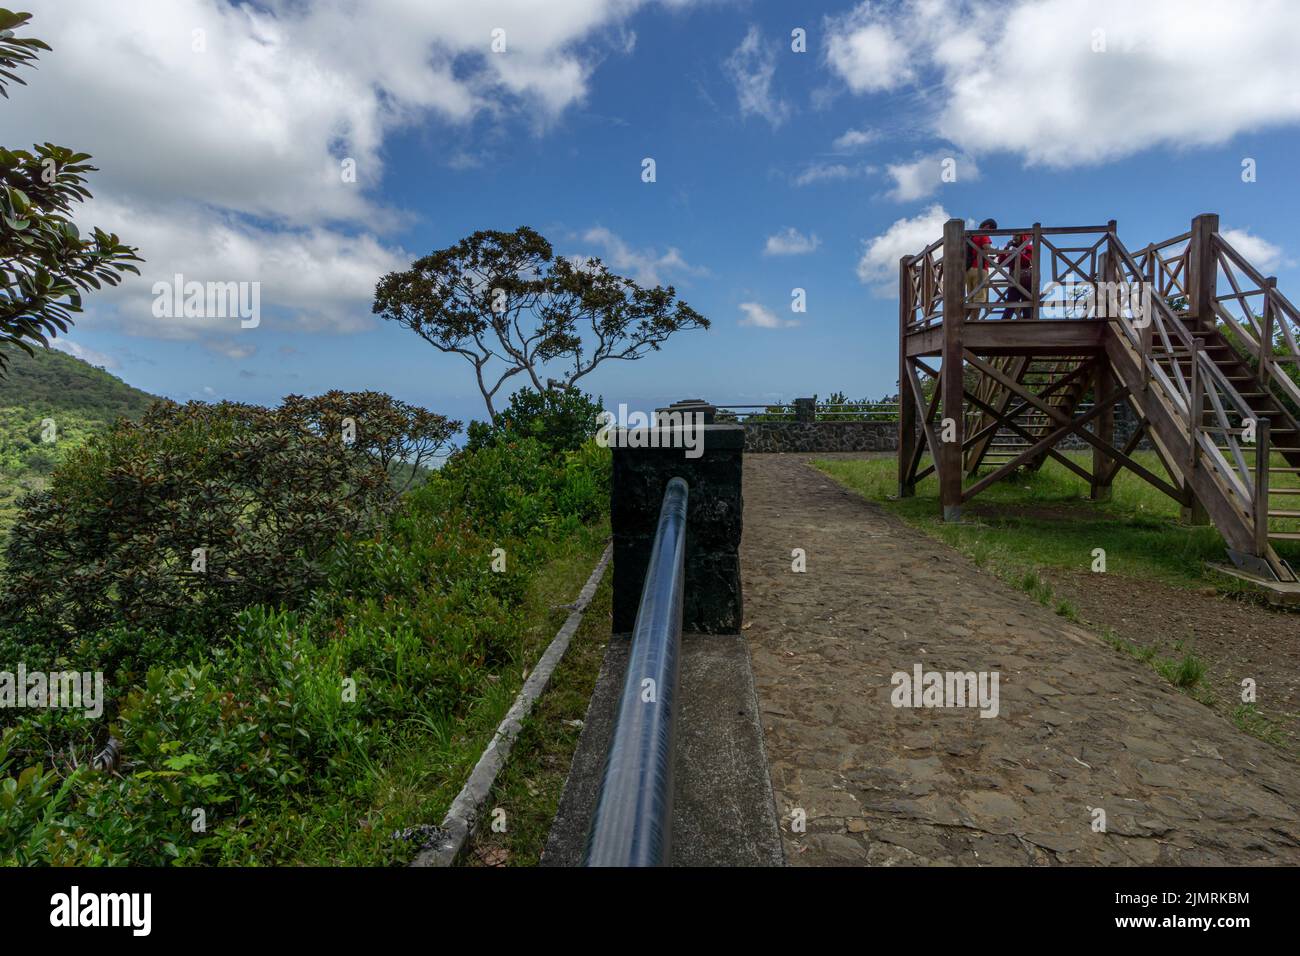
(1237, 639)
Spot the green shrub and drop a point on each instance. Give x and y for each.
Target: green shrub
(113, 540)
(561, 419)
(289, 714)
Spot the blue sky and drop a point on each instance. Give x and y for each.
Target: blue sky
(217, 166)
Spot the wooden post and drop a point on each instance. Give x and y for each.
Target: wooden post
(1202, 282)
(1202, 271)
(1034, 281)
(1103, 469)
(1262, 428)
(1266, 333)
(907, 437)
(951, 428)
(1194, 513)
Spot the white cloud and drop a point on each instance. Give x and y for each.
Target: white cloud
(315, 278)
(751, 68)
(828, 172)
(879, 262)
(77, 350)
(647, 266)
(1260, 253)
(761, 317)
(231, 348)
(790, 242)
(853, 139)
(219, 129)
(864, 48)
(923, 175)
(1023, 76)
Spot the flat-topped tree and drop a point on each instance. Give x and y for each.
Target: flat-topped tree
(509, 305)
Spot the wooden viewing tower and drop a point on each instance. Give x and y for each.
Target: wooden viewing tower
(993, 373)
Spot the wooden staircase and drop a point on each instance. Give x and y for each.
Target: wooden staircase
(1019, 350)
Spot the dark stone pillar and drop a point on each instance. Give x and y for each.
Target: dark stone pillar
(805, 409)
(712, 600)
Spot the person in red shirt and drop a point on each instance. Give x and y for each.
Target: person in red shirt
(1022, 275)
(976, 258)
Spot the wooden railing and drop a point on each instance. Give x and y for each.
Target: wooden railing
(1264, 321)
(1073, 272)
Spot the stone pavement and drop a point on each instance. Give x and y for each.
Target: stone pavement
(1081, 727)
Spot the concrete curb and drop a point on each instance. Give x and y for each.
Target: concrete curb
(464, 811)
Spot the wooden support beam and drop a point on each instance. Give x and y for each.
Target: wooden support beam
(1103, 384)
(926, 420)
(1074, 424)
(1027, 436)
(907, 436)
(948, 453)
(1066, 422)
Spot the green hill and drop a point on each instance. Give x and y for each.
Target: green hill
(50, 403)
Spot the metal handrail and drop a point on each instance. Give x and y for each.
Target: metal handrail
(633, 821)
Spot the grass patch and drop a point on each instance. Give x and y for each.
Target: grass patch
(1046, 520)
(1248, 718)
(431, 757)
(529, 787)
(1186, 672)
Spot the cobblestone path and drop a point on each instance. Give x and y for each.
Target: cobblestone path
(1080, 726)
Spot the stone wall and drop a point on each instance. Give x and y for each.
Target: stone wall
(820, 436)
(711, 602)
(826, 436)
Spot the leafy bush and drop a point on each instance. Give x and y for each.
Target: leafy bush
(562, 419)
(114, 537)
(405, 439)
(257, 729)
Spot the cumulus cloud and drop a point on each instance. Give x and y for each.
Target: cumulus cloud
(310, 279)
(1063, 83)
(923, 175)
(761, 317)
(246, 141)
(865, 49)
(751, 68)
(647, 266)
(1260, 253)
(790, 242)
(879, 263)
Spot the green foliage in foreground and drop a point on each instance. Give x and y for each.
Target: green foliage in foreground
(260, 731)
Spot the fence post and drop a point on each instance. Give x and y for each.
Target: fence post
(1262, 455)
(1202, 270)
(948, 454)
(907, 437)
